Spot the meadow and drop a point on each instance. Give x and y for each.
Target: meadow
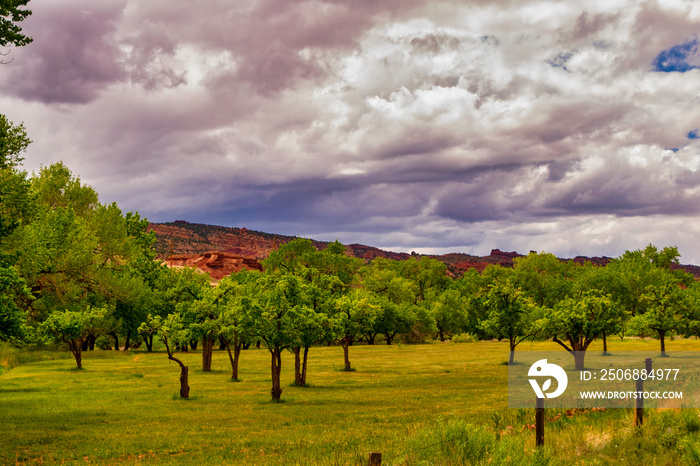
(440, 403)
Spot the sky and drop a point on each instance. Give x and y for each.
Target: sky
(432, 126)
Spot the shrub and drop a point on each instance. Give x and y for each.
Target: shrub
(464, 338)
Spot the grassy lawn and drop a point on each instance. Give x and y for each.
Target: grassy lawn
(402, 401)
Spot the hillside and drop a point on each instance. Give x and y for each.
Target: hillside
(220, 251)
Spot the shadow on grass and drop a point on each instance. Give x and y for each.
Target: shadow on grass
(23, 390)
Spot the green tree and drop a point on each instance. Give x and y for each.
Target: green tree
(354, 313)
(277, 318)
(13, 141)
(395, 296)
(11, 12)
(576, 321)
(172, 332)
(73, 328)
(668, 310)
(14, 298)
(449, 310)
(510, 314)
(325, 275)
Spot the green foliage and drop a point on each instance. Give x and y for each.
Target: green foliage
(510, 313)
(14, 297)
(13, 139)
(72, 326)
(11, 12)
(17, 205)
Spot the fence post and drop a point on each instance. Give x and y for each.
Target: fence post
(639, 402)
(375, 459)
(539, 422)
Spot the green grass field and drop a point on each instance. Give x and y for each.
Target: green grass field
(417, 404)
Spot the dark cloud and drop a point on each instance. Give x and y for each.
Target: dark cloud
(73, 55)
(466, 124)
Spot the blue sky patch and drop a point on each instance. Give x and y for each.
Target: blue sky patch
(695, 134)
(680, 58)
(560, 60)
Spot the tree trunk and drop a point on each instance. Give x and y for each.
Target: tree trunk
(579, 357)
(184, 377)
(297, 366)
(441, 334)
(662, 340)
(91, 342)
(511, 357)
(193, 344)
(76, 347)
(207, 353)
(276, 367)
(389, 338)
(148, 339)
(234, 357)
(116, 340)
(605, 343)
(370, 338)
(184, 372)
(303, 366)
(127, 343)
(346, 352)
(84, 345)
(222, 343)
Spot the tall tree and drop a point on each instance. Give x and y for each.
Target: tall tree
(325, 275)
(277, 318)
(510, 314)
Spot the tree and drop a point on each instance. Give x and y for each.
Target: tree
(13, 141)
(355, 312)
(576, 321)
(510, 314)
(543, 278)
(668, 309)
(395, 296)
(449, 310)
(73, 327)
(11, 13)
(325, 274)
(14, 296)
(277, 316)
(171, 332)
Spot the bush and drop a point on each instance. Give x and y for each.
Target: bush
(464, 338)
(458, 442)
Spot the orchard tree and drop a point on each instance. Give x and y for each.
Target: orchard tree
(576, 321)
(354, 313)
(510, 314)
(449, 311)
(395, 296)
(543, 278)
(668, 310)
(172, 332)
(325, 275)
(73, 328)
(277, 316)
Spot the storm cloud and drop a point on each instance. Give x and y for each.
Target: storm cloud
(434, 126)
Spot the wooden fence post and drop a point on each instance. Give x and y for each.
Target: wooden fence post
(375, 459)
(639, 402)
(539, 422)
